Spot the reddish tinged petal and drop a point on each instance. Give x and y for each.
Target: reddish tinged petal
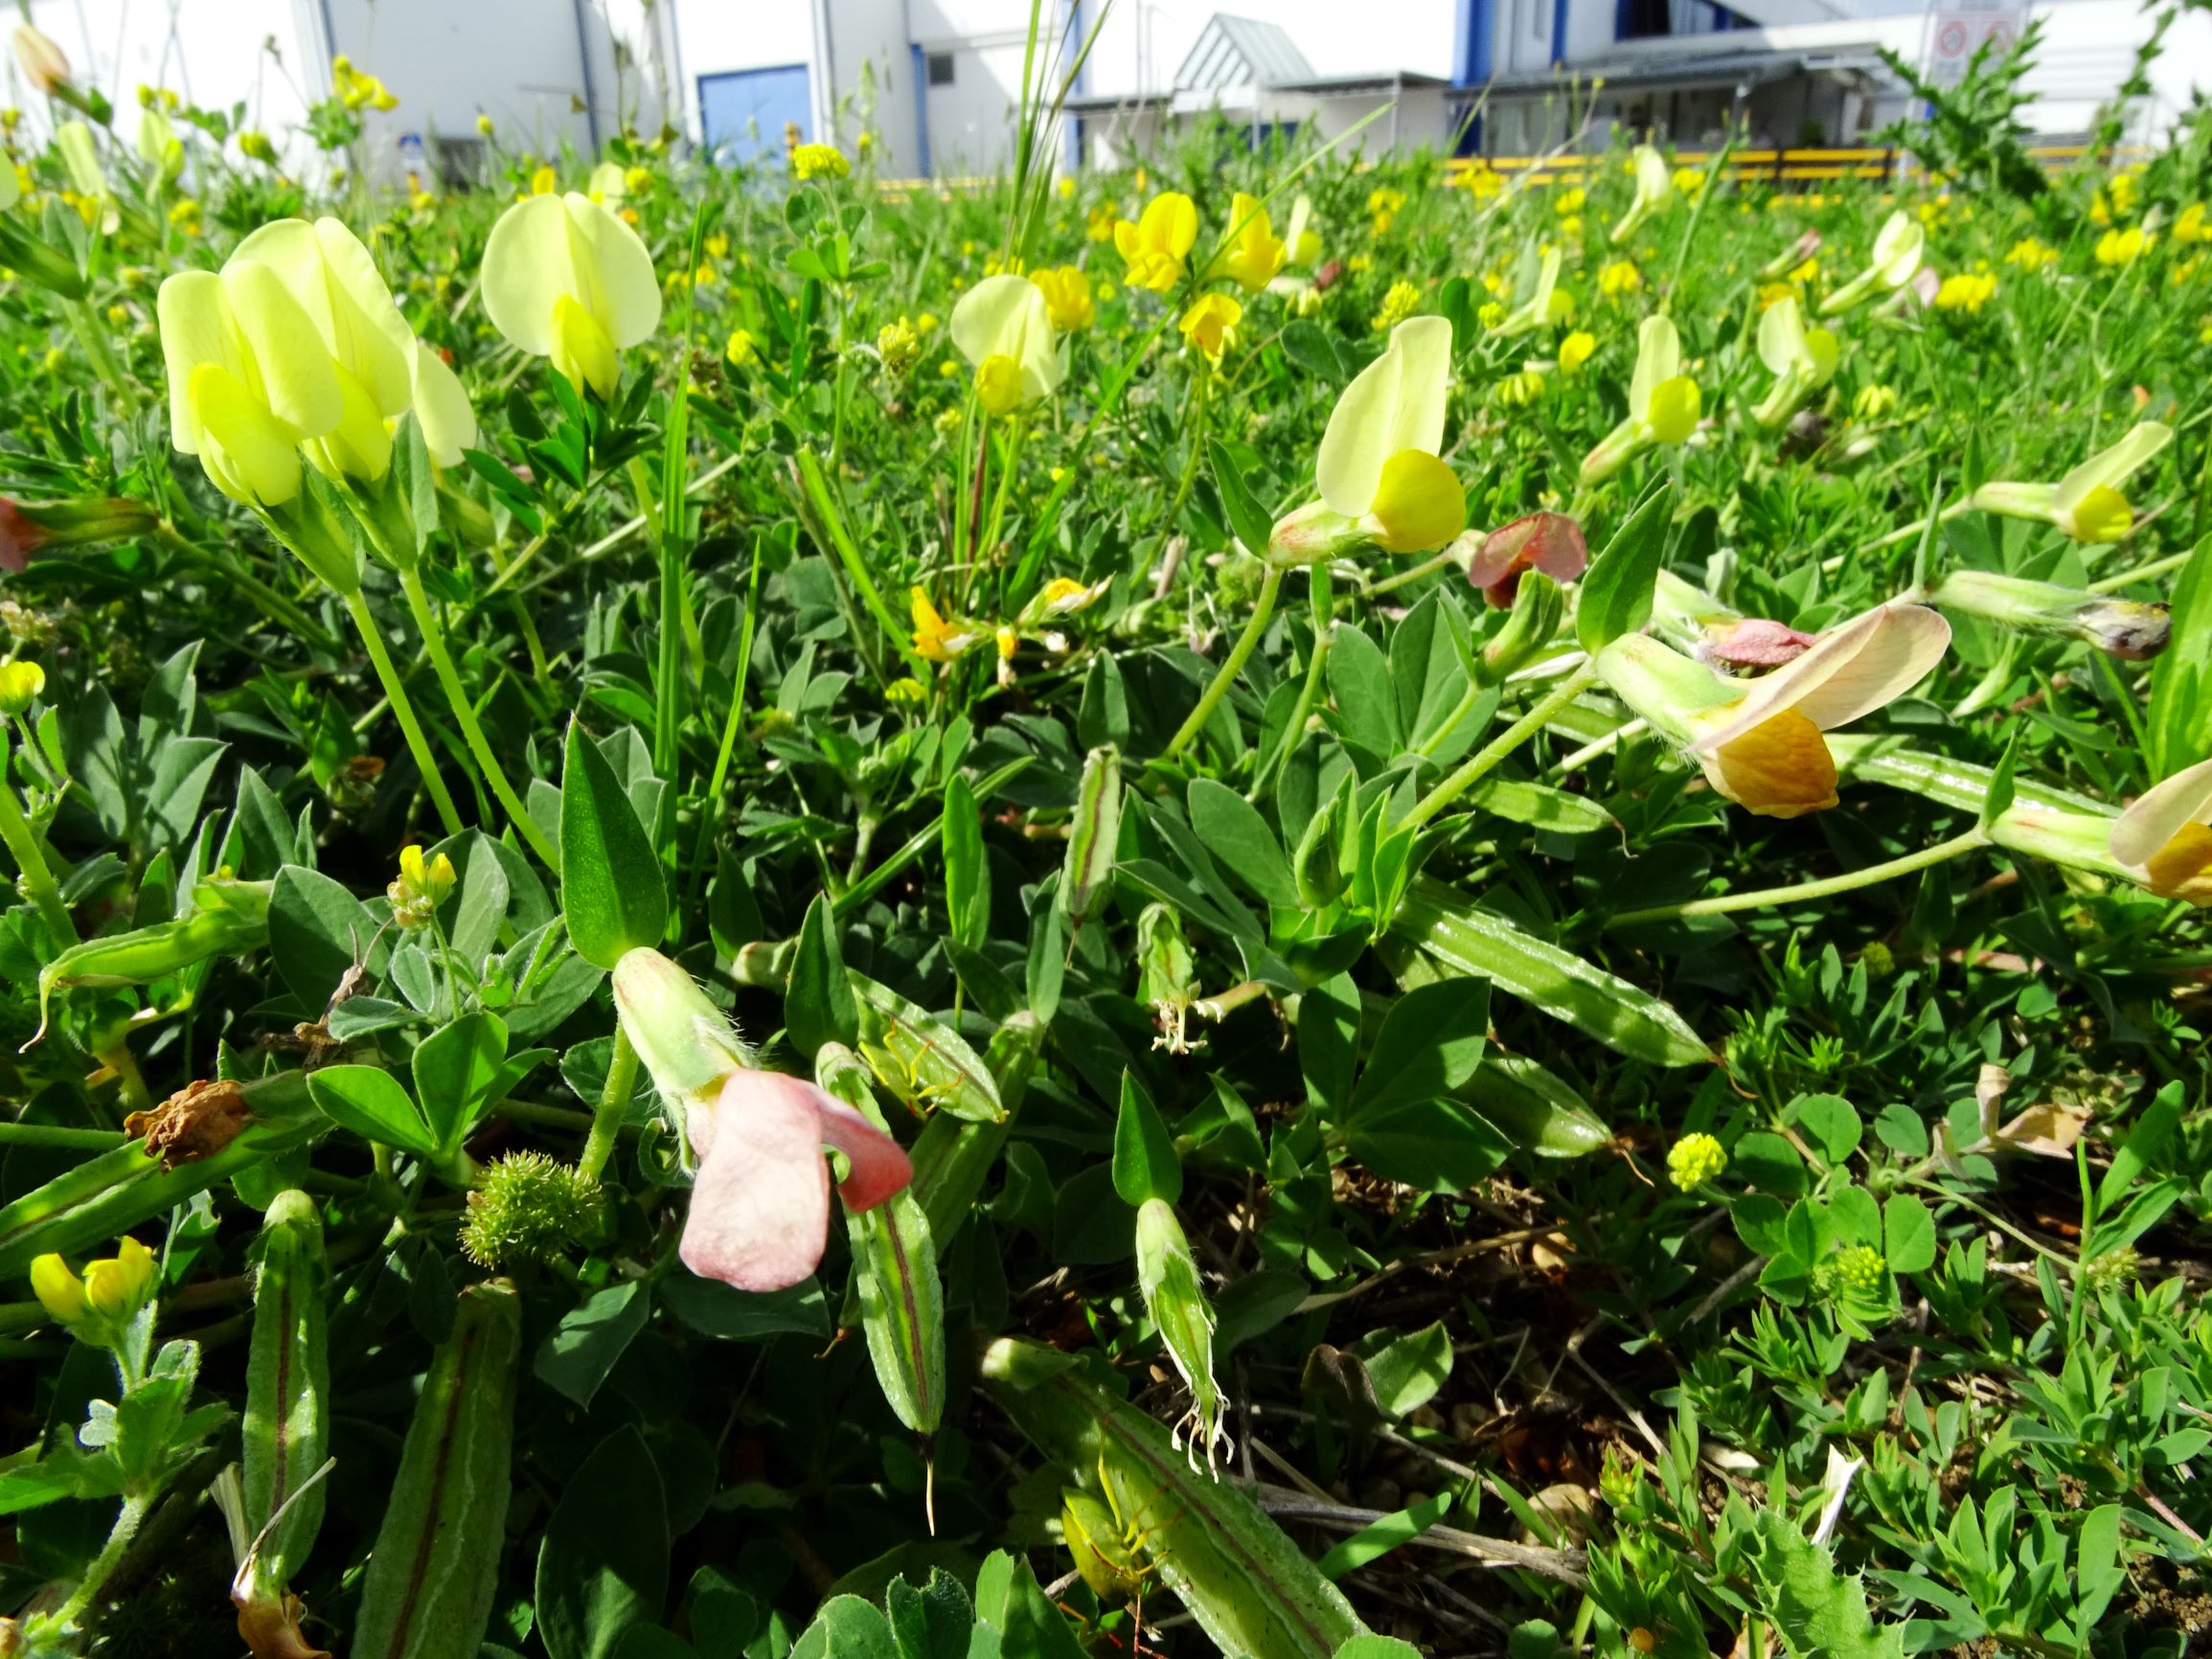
(880, 1167)
(1756, 643)
(19, 537)
(760, 1209)
(1551, 542)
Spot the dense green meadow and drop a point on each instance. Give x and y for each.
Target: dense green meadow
(1292, 902)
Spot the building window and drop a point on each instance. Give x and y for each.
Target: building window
(940, 69)
(1646, 19)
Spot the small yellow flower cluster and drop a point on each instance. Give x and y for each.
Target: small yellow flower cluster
(255, 146)
(1576, 349)
(899, 346)
(1483, 180)
(2190, 226)
(107, 1298)
(423, 886)
(1966, 291)
(820, 161)
(2030, 254)
(1619, 277)
(19, 683)
(1210, 326)
(2115, 199)
(1519, 390)
(1100, 226)
(1401, 303)
(742, 350)
(2120, 249)
(1859, 1268)
(357, 90)
(1694, 1160)
(1873, 402)
(1386, 204)
(1689, 180)
(1067, 297)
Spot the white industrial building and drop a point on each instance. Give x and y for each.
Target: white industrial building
(935, 81)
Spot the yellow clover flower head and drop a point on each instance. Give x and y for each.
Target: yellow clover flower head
(820, 161)
(897, 344)
(743, 351)
(1859, 1268)
(1403, 300)
(1695, 1159)
(1619, 277)
(564, 277)
(1155, 246)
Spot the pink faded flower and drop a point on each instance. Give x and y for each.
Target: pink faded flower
(1551, 542)
(1755, 643)
(1924, 284)
(760, 1215)
(20, 536)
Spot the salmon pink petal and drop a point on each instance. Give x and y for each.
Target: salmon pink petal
(760, 1209)
(880, 1167)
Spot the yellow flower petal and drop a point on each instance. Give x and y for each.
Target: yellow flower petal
(1780, 768)
(1419, 503)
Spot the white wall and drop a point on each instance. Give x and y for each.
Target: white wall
(1144, 41)
(210, 52)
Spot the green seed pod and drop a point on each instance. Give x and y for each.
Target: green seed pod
(107, 1195)
(1168, 1278)
(1538, 605)
(1318, 865)
(436, 1564)
(1249, 1586)
(1093, 835)
(285, 1434)
(894, 1259)
(1537, 1110)
(233, 918)
(952, 1158)
(1111, 1565)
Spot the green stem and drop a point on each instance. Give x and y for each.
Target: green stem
(607, 1116)
(471, 729)
(1427, 567)
(1869, 877)
(404, 709)
(31, 864)
(279, 609)
(55, 1135)
(2157, 567)
(1263, 607)
(103, 1564)
(1309, 693)
(1472, 769)
(93, 339)
(731, 726)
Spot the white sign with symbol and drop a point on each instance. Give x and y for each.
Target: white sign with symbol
(1958, 28)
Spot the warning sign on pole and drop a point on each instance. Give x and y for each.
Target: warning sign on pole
(1957, 28)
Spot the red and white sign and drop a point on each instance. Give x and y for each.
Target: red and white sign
(1958, 28)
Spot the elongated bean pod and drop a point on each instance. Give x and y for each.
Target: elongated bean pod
(111, 1193)
(285, 1433)
(1244, 1581)
(901, 1295)
(436, 1564)
(952, 1158)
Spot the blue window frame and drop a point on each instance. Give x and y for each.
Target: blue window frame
(742, 112)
